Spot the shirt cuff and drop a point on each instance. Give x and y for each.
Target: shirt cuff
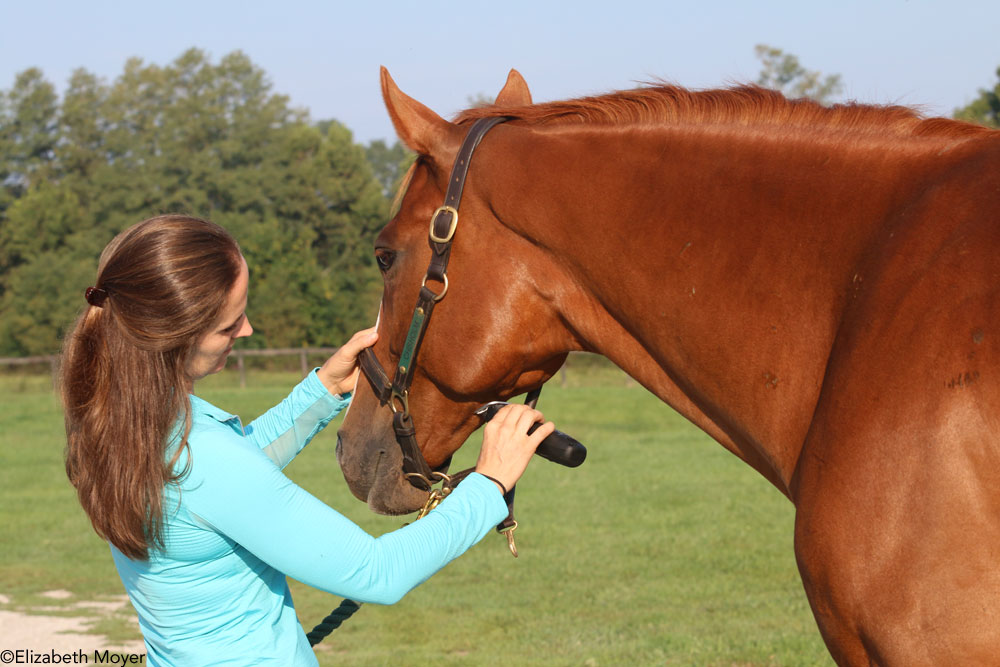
(316, 386)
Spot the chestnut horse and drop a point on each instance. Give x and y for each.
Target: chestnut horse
(816, 288)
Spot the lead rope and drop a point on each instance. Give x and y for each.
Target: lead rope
(333, 621)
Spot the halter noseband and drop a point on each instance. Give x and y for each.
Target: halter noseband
(395, 393)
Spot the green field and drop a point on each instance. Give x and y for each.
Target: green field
(661, 549)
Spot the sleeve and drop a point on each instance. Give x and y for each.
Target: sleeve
(243, 495)
(284, 430)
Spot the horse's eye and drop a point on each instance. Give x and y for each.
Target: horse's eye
(384, 258)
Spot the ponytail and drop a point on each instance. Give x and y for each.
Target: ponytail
(161, 285)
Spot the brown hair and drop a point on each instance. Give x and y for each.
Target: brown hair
(124, 382)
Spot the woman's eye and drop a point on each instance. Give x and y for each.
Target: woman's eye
(232, 327)
(384, 258)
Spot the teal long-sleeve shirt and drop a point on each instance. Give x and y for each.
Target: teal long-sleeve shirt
(235, 526)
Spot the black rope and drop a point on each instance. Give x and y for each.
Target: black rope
(333, 621)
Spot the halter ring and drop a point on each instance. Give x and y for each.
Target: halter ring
(437, 297)
(403, 400)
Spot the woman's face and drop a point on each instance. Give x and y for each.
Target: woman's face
(213, 349)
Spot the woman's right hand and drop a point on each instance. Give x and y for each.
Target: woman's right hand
(340, 372)
(507, 447)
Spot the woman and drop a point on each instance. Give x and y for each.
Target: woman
(203, 525)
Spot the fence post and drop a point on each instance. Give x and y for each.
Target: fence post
(242, 368)
(304, 362)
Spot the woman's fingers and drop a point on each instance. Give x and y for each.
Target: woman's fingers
(507, 447)
(340, 372)
(359, 341)
(542, 432)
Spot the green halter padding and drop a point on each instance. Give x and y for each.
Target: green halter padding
(412, 336)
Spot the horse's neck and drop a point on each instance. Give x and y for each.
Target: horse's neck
(715, 274)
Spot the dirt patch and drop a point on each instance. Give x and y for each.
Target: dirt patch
(36, 629)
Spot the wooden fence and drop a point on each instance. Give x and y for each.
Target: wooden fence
(303, 353)
(51, 360)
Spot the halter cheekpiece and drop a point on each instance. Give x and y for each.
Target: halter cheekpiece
(394, 393)
(95, 296)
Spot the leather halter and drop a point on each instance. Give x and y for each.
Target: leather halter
(395, 393)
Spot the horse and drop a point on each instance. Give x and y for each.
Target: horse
(817, 288)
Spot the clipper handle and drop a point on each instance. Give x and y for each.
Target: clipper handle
(556, 447)
(560, 448)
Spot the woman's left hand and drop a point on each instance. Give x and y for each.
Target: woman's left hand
(340, 372)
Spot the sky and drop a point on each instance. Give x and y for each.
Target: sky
(325, 56)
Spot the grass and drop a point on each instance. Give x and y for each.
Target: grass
(661, 549)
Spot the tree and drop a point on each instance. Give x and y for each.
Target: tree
(388, 163)
(28, 121)
(985, 109)
(782, 72)
(193, 137)
(480, 100)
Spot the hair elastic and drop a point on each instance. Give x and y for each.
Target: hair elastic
(496, 481)
(95, 296)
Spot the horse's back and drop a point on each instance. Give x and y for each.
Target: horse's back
(898, 486)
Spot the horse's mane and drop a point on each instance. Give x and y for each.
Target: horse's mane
(747, 105)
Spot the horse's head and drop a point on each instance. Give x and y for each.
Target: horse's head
(494, 335)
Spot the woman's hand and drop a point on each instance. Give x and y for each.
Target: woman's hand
(340, 372)
(507, 447)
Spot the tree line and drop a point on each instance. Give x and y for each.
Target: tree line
(213, 140)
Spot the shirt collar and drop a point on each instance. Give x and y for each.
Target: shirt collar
(200, 406)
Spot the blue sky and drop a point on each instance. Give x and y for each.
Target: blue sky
(325, 55)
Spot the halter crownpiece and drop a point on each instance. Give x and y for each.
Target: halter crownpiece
(95, 296)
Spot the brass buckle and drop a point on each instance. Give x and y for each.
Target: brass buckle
(451, 229)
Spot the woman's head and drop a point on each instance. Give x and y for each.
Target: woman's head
(167, 280)
(170, 298)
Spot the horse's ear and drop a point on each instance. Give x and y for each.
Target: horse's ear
(417, 126)
(515, 92)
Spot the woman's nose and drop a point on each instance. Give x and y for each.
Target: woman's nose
(245, 330)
